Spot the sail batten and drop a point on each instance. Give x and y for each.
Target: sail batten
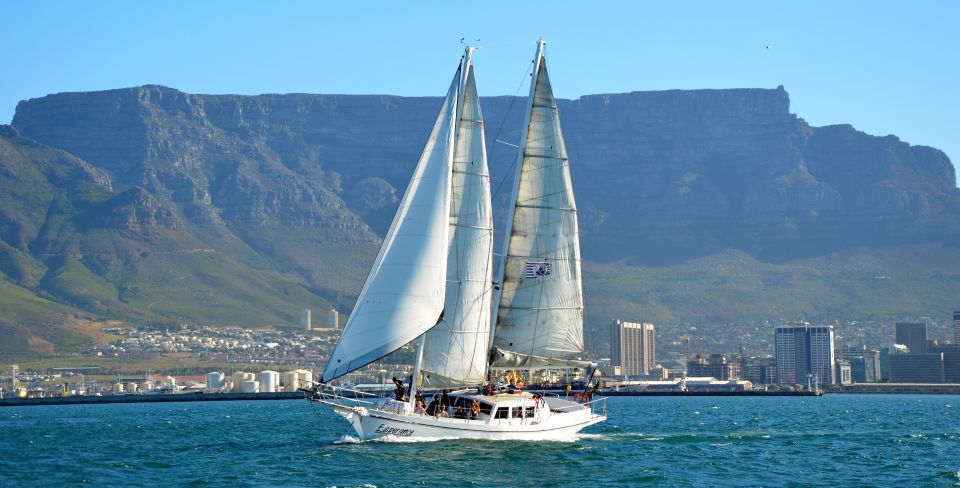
(404, 293)
(539, 309)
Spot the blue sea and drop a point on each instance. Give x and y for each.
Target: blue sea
(835, 440)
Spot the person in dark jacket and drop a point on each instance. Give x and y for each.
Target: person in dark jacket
(400, 392)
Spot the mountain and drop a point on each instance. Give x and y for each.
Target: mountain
(76, 249)
(242, 209)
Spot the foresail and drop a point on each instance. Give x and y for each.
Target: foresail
(455, 351)
(404, 293)
(540, 310)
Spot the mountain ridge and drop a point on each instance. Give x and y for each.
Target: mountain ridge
(302, 186)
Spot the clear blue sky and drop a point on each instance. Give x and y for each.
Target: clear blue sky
(885, 67)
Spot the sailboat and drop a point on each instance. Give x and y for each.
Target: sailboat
(433, 282)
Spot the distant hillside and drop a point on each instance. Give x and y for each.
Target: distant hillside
(237, 209)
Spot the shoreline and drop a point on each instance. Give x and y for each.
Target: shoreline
(296, 395)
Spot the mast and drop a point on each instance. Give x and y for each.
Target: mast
(498, 281)
(465, 66)
(455, 352)
(412, 394)
(539, 311)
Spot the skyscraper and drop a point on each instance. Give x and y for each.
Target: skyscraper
(632, 348)
(956, 327)
(306, 321)
(804, 349)
(913, 335)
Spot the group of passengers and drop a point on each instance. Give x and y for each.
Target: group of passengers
(442, 406)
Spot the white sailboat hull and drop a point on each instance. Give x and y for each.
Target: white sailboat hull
(370, 424)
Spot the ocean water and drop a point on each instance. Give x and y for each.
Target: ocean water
(835, 440)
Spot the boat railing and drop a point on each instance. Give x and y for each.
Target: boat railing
(597, 406)
(343, 396)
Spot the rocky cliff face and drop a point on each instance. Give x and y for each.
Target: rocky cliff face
(660, 176)
(303, 185)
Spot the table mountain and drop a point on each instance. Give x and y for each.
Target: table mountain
(287, 196)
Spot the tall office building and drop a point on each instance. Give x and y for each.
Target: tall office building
(306, 320)
(956, 327)
(913, 335)
(334, 319)
(632, 348)
(804, 349)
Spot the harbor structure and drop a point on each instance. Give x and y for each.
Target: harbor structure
(803, 349)
(633, 348)
(913, 335)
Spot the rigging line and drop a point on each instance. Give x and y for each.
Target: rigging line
(496, 138)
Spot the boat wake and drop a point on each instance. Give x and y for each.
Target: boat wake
(391, 439)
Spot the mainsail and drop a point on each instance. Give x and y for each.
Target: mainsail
(539, 307)
(403, 296)
(455, 351)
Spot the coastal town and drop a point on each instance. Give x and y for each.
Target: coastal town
(788, 356)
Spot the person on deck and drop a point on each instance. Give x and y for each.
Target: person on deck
(400, 392)
(434, 407)
(474, 410)
(488, 386)
(445, 399)
(420, 405)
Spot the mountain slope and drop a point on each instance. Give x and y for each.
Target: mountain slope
(672, 187)
(74, 249)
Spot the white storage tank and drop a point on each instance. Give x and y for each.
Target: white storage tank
(269, 380)
(214, 380)
(130, 387)
(305, 377)
(290, 381)
(117, 388)
(250, 386)
(239, 377)
(169, 381)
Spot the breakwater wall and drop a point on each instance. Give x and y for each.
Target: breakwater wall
(133, 398)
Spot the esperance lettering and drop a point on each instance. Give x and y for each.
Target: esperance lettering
(383, 429)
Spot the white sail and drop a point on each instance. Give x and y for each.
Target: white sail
(403, 296)
(455, 351)
(540, 303)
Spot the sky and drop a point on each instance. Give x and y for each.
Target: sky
(884, 67)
